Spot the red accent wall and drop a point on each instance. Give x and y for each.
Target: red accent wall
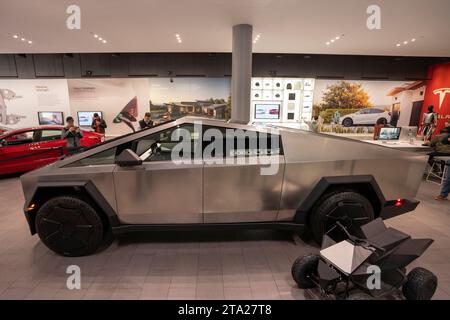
(440, 78)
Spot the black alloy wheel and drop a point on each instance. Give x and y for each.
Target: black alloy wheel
(69, 226)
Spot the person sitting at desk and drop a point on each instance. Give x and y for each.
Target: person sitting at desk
(440, 144)
(377, 129)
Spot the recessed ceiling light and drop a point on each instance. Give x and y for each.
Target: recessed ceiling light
(95, 35)
(398, 44)
(100, 38)
(23, 39)
(405, 42)
(337, 38)
(328, 43)
(30, 42)
(332, 40)
(104, 41)
(15, 36)
(413, 39)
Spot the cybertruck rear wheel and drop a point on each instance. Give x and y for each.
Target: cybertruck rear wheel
(69, 226)
(420, 284)
(350, 208)
(303, 269)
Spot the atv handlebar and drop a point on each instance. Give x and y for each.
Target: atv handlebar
(359, 241)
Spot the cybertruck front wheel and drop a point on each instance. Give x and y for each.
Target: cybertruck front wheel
(420, 284)
(348, 207)
(303, 269)
(69, 226)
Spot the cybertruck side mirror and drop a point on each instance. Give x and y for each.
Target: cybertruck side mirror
(127, 158)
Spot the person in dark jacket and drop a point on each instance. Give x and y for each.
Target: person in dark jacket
(98, 124)
(72, 135)
(146, 122)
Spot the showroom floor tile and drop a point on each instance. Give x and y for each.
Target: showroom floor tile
(187, 265)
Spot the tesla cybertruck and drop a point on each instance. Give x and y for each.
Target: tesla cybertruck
(233, 176)
(348, 263)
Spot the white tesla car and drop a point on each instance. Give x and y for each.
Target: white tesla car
(368, 116)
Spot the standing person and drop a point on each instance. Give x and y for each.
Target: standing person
(314, 124)
(395, 115)
(98, 124)
(146, 122)
(377, 129)
(72, 135)
(445, 191)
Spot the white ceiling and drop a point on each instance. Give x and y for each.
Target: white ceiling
(286, 26)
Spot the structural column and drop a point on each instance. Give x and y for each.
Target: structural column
(241, 73)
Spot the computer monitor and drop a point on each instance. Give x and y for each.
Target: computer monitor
(50, 118)
(404, 135)
(85, 117)
(388, 134)
(267, 111)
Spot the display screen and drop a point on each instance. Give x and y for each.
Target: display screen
(390, 133)
(267, 111)
(50, 118)
(85, 117)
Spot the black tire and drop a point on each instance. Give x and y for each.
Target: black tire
(360, 296)
(69, 226)
(303, 268)
(421, 284)
(383, 121)
(347, 122)
(350, 208)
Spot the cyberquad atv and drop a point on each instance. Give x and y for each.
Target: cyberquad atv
(347, 263)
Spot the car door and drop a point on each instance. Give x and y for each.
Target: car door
(162, 189)
(361, 117)
(50, 145)
(17, 152)
(242, 188)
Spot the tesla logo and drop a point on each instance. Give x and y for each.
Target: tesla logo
(442, 93)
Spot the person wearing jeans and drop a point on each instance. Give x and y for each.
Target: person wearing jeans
(445, 191)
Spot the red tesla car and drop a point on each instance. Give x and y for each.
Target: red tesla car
(31, 148)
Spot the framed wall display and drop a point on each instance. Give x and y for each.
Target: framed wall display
(267, 111)
(267, 95)
(308, 84)
(277, 95)
(294, 96)
(257, 94)
(85, 117)
(257, 83)
(278, 84)
(307, 96)
(267, 83)
(51, 118)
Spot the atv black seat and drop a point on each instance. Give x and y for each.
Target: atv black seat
(382, 236)
(405, 253)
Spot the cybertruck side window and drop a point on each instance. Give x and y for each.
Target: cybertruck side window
(101, 158)
(240, 143)
(158, 146)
